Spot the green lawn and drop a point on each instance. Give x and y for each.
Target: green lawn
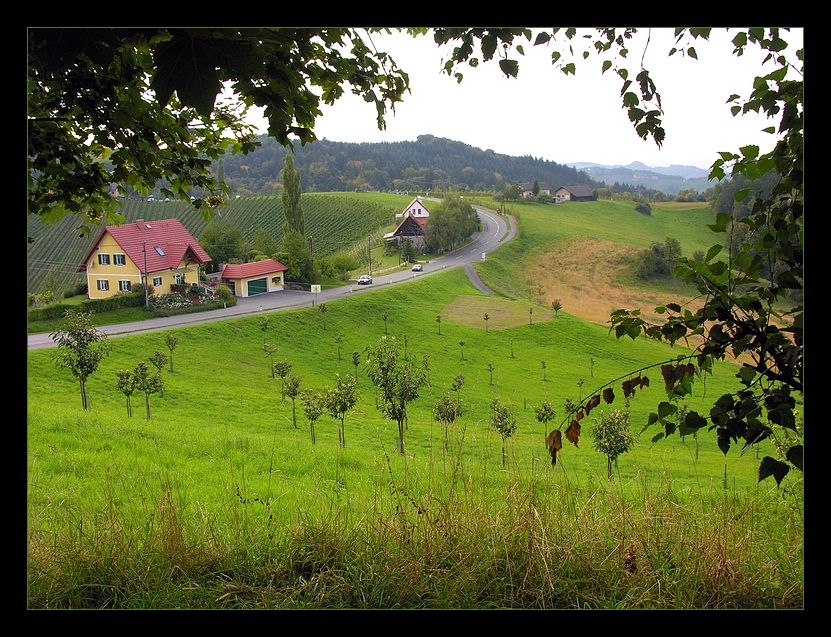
(218, 501)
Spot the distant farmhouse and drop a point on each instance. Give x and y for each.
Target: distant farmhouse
(528, 189)
(161, 253)
(416, 209)
(411, 226)
(573, 193)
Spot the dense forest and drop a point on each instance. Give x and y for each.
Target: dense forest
(427, 164)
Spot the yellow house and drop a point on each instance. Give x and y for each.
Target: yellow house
(161, 252)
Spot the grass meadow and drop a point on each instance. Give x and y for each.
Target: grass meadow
(218, 501)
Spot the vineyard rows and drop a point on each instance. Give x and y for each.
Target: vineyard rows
(334, 223)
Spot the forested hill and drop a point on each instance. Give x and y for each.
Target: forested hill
(429, 163)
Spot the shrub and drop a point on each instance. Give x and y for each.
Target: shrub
(223, 292)
(116, 302)
(138, 288)
(644, 208)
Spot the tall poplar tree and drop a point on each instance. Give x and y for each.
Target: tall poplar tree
(291, 198)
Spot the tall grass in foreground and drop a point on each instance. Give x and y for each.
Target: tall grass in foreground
(419, 542)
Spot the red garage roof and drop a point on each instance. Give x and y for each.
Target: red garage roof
(255, 268)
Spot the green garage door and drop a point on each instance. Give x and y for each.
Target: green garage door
(257, 286)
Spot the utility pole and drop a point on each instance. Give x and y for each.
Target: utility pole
(369, 253)
(144, 250)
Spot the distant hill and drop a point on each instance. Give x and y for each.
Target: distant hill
(670, 180)
(427, 164)
(435, 163)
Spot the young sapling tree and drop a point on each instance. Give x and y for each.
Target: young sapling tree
(338, 401)
(313, 408)
(172, 341)
(270, 350)
(447, 411)
(81, 348)
(145, 382)
(282, 369)
(292, 389)
(356, 361)
(264, 328)
(611, 436)
(505, 424)
(399, 378)
(159, 360)
(126, 385)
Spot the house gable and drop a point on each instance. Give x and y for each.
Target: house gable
(163, 251)
(410, 228)
(416, 209)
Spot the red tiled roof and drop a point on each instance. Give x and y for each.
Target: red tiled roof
(167, 244)
(255, 268)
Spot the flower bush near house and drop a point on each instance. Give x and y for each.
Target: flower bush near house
(166, 304)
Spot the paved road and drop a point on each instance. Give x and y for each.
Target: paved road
(495, 232)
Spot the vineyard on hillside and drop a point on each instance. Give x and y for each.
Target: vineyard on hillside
(334, 224)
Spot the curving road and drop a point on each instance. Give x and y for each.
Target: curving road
(495, 232)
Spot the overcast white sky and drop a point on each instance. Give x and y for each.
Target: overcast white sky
(575, 118)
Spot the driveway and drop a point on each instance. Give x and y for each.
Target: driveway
(495, 232)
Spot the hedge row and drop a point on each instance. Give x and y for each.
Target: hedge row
(57, 311)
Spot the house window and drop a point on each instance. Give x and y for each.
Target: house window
(103, 285)
(157, 281)
(123, 286)
(119, 259)
(180, 278)
(103, 259)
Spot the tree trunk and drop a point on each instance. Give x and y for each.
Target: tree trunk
(147, 401)
(84, 395)
(401, 437)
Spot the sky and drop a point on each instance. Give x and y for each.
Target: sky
(568, 119)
